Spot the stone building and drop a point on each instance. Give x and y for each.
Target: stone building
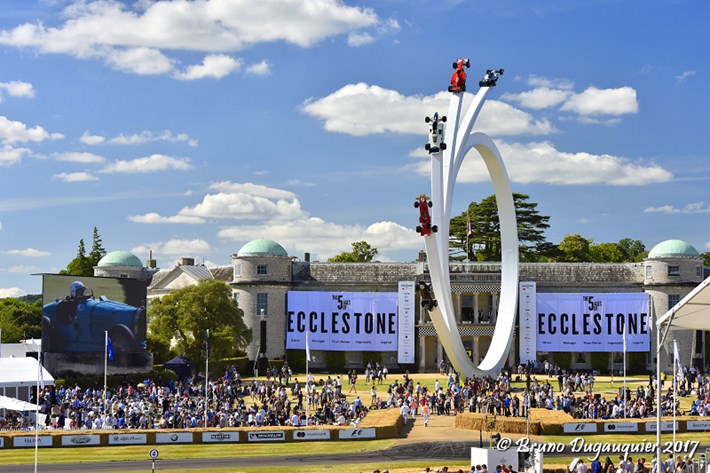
(261, 273)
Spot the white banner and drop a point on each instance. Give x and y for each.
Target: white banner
(702, 425)
(175, 437)
(80, 440)
(621, 427)
(580, 428)
(527, 311)
(127, 439)
(342, 321)
(370, 433)
(311, 434)
(593, 322)
(29, 441)
(266, 436)
(220, 437)
(666, 426)
(405, 342)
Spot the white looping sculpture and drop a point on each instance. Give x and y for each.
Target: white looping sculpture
(445, 166)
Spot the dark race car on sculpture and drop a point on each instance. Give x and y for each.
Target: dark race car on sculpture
(491, 77)
(426, 228)
(436, 134)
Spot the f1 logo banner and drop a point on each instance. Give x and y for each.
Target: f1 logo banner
(342, 321)
(593, 322)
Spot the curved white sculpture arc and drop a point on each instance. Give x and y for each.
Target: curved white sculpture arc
(444, 171)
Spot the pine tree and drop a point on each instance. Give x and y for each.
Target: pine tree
(97, 250)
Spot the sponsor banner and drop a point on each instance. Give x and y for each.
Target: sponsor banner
(621, 427)
(2, 442)
(311, 434)
(267, 436)
(698, 425)
(527, 311)
(127, 439)
(175, 437)
(342, 321)
(405, 321)
(593, 322)
(220, 437)
(29, 441)
(369, 433)
(666, 426)
(80, 440)
(580, 428)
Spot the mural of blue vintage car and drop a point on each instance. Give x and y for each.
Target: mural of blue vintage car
(76, 324)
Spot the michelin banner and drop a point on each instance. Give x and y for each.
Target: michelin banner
(591, 322)
(342, 321)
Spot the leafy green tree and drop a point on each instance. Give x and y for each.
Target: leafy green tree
(362, 251)
(634, 250)
(20, 320)
(81, 265)
(607, 253)
(706, 258)
(183, 317)
(484, 244)
(97, 249)
(574, 249)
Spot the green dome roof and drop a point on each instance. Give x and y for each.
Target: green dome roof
(262, 247)
(120, 258)
(673, 249)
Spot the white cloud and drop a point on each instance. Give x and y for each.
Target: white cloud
(79, 157)
(361, 109)
(11, 292)
(262, 69)
(152, 163)
(326, 239)
(550, 83)
(357, 39)
(141, 61)
(18, 89)
(684, 75)
(75, 177)
(22, 268)
(214, 66)
(595, 101)
(692, 208)
(153, 217)
(10, 155)
(174, 248)
(134, 38)
(17, 132)
(89, 139)
(27, 252)
(541, 162)
(244, 206)
(540, 98)
(256, 190)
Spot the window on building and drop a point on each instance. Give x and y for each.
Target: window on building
(238, 269)
(262, 270)
(649, 271)
(673, 299)
(237, 298)
(673, 270)
(123, 275)
(467, 309)
(262, 303)
(698, 271)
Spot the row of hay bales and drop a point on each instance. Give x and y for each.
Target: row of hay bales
(548, 422)
(387, 424)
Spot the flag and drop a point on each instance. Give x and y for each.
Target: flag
(468, 224)
(207, 343)
(676, 356)
(308, 350)
(109, 348)
(41, 373)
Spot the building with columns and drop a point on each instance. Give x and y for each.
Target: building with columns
(261, 274)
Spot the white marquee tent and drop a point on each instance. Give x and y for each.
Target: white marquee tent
(18, 375)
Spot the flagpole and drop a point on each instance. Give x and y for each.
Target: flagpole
(675, 389)
(39, 374)
(308, 391)
(624, 369)
(207, 374)
(105, 366)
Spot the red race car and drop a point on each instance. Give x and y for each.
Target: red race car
(426, 228)
(458, 78)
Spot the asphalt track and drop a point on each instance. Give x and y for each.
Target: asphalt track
(430, 453)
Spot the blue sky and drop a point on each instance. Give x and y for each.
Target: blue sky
(190, 128)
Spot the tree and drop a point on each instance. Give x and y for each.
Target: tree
(634, 250)
(97, 250)
(484, 243)
(607, 253)
(706, 258)
(183, 317)
(362, 252)
(81, 265)
(20, 320)
(574, 249)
